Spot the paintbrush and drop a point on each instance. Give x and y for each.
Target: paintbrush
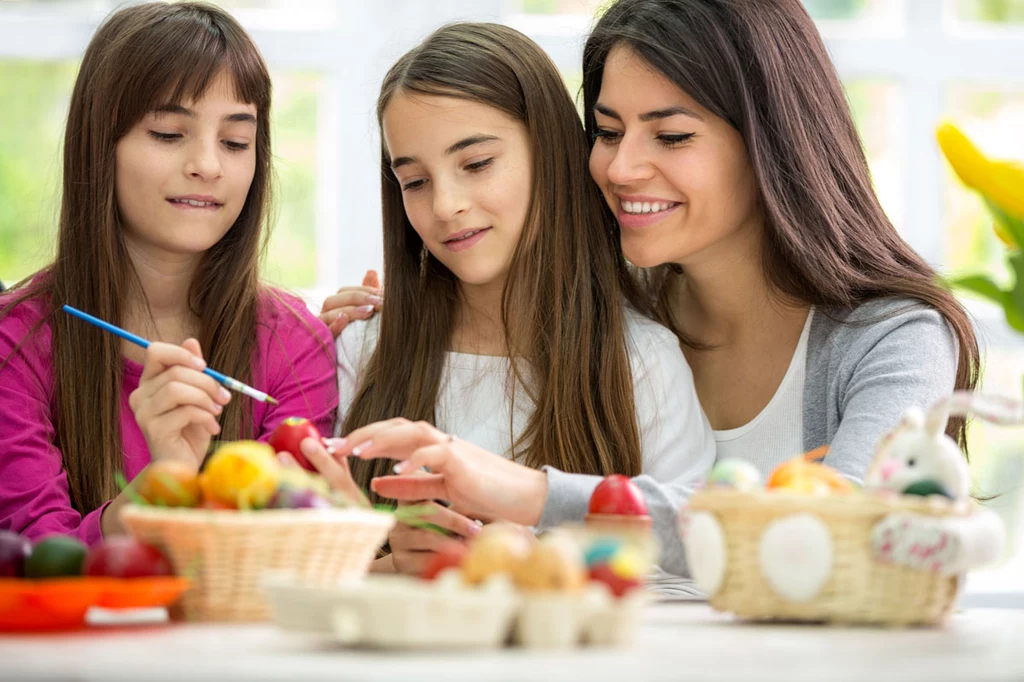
(223, 379)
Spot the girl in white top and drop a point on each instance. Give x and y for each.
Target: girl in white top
(511, 318)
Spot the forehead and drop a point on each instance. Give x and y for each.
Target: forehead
(417, 124)
(632, 82)
(221, 93)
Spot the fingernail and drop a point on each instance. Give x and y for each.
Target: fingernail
(474, 529)
(401, 467)
(308, 446)
(282, 458)
(375, 300)
(198, 362)
(361, 448)
(218, 409)
(364, 309)
(479, 522)
(224, 394)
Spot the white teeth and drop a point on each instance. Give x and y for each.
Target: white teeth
(193, 202)
(464, 237)
(638, 207)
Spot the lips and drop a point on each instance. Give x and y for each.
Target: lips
(465, 239)
(195, 201)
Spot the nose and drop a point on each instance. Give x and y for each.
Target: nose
(889, 468)
(204, 160)
(630, 163)
(449, 199)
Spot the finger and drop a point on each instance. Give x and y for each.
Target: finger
(371, 279)
(339, 324)
(450, 520)
(399, 441)
(418, 487)
(175, 421)
(350, 297)
(192, 346)
(363, 312)
(334, 470)
(364, 435)
(173, 394)
(410, 539)
(160, 356)
(433, 457)
(157, 387)
(286, 460)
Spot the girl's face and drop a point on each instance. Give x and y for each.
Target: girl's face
(465, 170)
(184, 171)
(677, 177)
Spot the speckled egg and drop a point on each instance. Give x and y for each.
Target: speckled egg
(738, 474)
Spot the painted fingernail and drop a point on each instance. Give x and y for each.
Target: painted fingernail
(479, 522)
(375, 300)
(217, 409)
(198, 362)
(363, 309)
(224, 394)
(474, 529)
(361, 448)
(401, 468)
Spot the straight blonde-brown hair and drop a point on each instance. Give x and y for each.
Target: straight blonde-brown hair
(141, 58)
(562, 305)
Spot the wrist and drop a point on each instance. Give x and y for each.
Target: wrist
(533, 495)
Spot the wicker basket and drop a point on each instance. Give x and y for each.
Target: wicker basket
(226, 553)
(859, 589)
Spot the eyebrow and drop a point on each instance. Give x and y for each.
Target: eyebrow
(655, 115)
(457, 147)
(240, 117)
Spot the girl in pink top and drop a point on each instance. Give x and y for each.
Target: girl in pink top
(166, 177)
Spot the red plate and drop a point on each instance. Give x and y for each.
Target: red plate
(61, 603)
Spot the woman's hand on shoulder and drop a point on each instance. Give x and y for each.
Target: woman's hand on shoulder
(177, 406)
(352, 303)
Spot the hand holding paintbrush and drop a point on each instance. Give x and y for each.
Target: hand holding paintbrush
(178, 401)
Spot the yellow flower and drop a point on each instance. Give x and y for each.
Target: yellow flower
(1000, 182)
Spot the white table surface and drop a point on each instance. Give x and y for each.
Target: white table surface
(677, 641)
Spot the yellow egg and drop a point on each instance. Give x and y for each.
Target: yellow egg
(627, 563)
(497, 549)
(242, 474)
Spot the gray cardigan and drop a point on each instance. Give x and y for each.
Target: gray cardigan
(864, 368)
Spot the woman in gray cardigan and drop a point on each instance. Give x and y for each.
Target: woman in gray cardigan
(723, 143)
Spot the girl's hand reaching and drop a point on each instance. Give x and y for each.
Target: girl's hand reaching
(334, 469)
(352, 303)
(176, 405)
(477, 483)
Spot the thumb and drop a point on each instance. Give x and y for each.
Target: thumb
(372, 279)
(193, 347)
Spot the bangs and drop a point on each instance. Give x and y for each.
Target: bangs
(176, 58)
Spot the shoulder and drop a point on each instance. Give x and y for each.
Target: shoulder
(896, 324)
(287, 316)
(25, 318)
(358, 340)
(645, 335)
(287, 332)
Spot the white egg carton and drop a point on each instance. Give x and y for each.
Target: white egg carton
(398, 612)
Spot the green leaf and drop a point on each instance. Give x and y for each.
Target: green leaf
(982, 285)
(1013, 226)
(1016, 293)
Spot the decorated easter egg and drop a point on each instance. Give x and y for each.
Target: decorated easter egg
(242, 474)
(498, 549)
(555, 564)
(601, 550)
(733, 472)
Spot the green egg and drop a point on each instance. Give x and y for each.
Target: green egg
(927, 487)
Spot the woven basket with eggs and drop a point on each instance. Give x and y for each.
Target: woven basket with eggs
(808, 545)
(245, 516)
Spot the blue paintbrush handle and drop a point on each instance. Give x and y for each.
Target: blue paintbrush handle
(223, 379)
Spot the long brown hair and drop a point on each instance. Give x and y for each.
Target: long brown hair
(763, 68)
(141, 58)
(562, 304)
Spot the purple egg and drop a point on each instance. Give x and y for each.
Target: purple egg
(290, 498)
(14, 549)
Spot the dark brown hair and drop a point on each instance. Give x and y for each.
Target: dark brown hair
(763, 68)
(562, 305)
(141, 58)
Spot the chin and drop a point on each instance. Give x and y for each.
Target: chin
(643, 257)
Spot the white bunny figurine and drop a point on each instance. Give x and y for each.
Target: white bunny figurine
(918, 457)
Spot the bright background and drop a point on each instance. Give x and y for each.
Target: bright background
(906, 65)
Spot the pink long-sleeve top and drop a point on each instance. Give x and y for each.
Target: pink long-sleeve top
(295, 364)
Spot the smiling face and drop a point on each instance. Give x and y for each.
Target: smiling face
(677, 177)
(184, 171)
(466, 174)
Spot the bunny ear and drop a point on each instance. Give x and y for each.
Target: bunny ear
(938, 417)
